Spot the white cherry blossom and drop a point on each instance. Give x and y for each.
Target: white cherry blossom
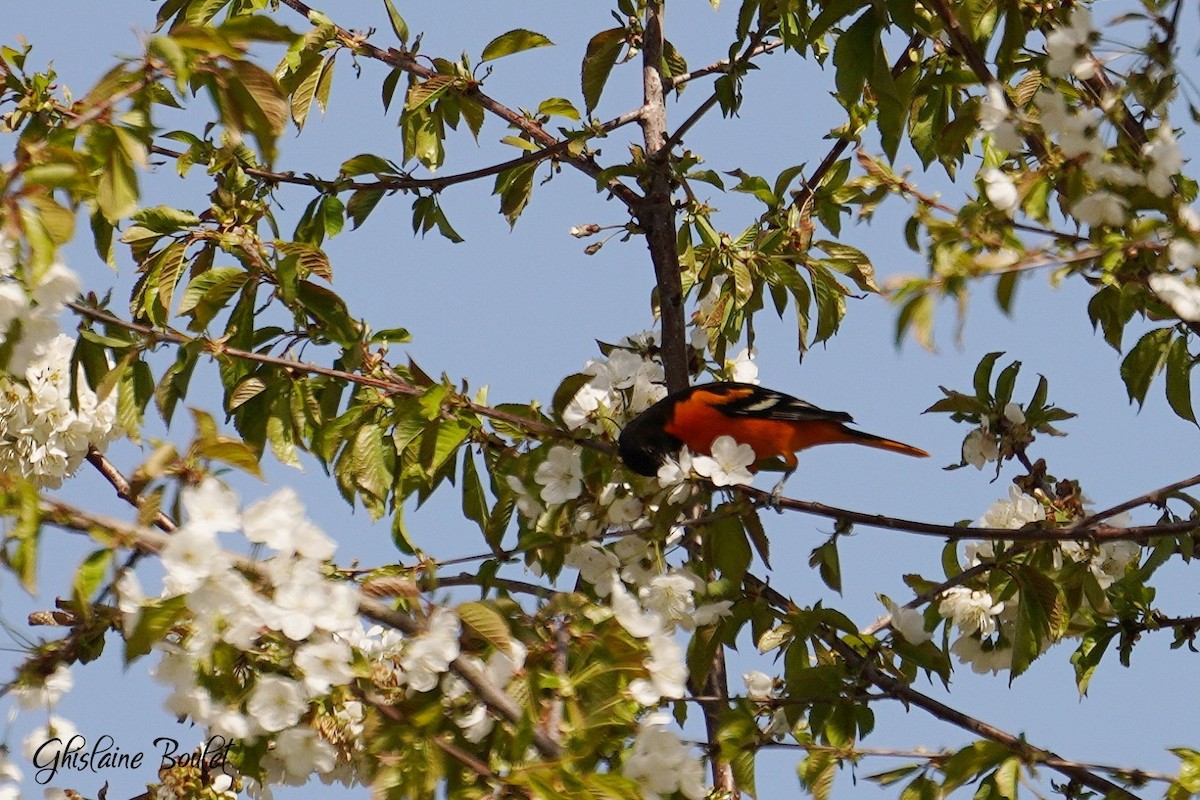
(729, 463)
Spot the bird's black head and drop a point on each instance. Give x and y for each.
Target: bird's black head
(644, 445)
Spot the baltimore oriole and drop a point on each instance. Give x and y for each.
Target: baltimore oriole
(772, 423)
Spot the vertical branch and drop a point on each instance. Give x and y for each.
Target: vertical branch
(657, 218)
(656, 214)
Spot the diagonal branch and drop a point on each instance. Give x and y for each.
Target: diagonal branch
(406, 182)
(1018, 745)
(752, 47)
(812, 181)
(390, 385)
(406, 62)
(1096, 531)
(145, 539)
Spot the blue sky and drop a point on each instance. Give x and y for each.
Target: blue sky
(519, 310)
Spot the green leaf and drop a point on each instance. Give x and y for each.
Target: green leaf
(89, 576)
(366, 164)
(514, 41)
(515, 187)
(257, 104)
(1089, 653)
(474, 501)
(817, 772)
(557, 107)
(851, 262)
(982, 381)
(232, 452)
(853, 57)
(362, 203)
(1179, 379)
(1039, 616)
(726, 546)
(922, 788)
(117, 187)
(392, 335)
(305, 92)
(973, 760)
(164, 219)
(153, 622)
(399, 26)
(825, 559)
(602, 52)
(1007, 776)
(368, 468)
(425, 92)
(1005, 384)
(487, 623)
(1145, 361)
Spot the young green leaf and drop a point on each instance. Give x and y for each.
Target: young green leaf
(514, 41)
(598, 60)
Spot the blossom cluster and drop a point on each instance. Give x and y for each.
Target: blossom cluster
(43, 437)
(621, 385)
(664, 602)
(29, 304)
(985, 624)
(983, 444)
(298, 626)
(1078, 134)
(661, 764)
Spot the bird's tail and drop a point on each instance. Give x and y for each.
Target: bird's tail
(871, 440)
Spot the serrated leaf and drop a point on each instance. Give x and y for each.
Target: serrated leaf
(1143, 362)
(1091, 650)
(1039, 617)
(474, 502)
(487, 623)
(817, 772)
(1179, 379)
(362, 202)
(825, 559)
(727, 547)
(399, 26)
(515, 41)
(603, 49)
(558, 107)
(425, 92)
(515, 187)
(164, 219)
(247, 389)
(368, 467)
(232, 452)
(970, 762)
(366, 163)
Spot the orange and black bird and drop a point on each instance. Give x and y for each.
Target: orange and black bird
(772, 423)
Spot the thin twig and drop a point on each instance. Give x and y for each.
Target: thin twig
(722, 66)
(391, 385)
(813, 180)
(538, 134)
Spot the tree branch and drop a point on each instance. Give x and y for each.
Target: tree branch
(142, 538)
(723, 66)
(900, 691)
(390, 385)
(813, 180)
(656, 215)
(1030, 533)
(402, 60)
